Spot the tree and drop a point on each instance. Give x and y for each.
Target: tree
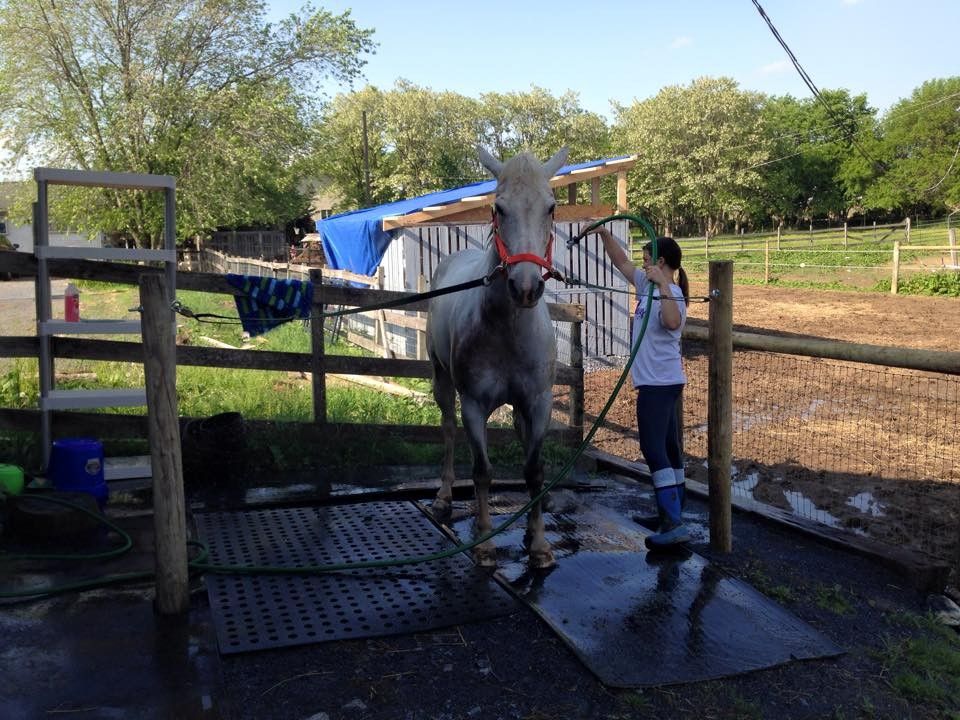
(540, 123)
(697, 149)
(421, 140)
(920, 144)
(205, 91)
(418, 141)
(339, 153)
(819, 161)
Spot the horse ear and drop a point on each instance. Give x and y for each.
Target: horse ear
(556, 162)
(489, 162)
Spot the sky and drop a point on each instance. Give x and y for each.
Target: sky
(628, 50)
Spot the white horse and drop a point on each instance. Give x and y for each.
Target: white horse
(495, 344)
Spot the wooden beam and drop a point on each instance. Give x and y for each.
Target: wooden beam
(443, 211)
(720, 405)
(169, 504)
(621, 192)
(564, 213)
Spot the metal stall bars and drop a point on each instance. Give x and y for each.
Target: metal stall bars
(50, 398)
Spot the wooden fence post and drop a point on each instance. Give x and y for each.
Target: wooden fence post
(896, 267)
(766, 261)
(576, 362)
(380, 322)
(318, 374)
(952, 238)
(844, 233)
(779, 230)
(906, 223)
(421, 334)
(169, 514)
(720, 404)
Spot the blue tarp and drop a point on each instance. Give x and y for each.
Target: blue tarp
(355, 241)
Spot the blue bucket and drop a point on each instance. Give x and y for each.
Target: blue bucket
(76, 464)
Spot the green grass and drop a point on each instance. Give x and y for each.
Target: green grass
(824, 261)
(924, 667)
(833, 599)
(756, 575)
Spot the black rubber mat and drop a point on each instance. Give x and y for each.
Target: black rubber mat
(256, 612)
(640, 619)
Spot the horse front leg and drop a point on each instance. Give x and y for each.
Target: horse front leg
(475, 425)
(445, 396)
(534, 426)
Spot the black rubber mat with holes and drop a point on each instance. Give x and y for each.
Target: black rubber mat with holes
(256, 612)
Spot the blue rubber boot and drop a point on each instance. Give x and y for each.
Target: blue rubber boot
(681, 482)
(672, 532)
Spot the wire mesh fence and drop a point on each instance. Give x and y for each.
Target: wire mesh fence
(867, 449)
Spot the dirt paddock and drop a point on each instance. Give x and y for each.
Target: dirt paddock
(866, 448)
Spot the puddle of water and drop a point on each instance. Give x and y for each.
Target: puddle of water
(744, 422)
(746, 486)
(805, 508)
(267, 494)
(867, 504)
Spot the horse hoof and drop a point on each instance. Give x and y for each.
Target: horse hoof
(440, 507)
(485, 557)
(542, 560)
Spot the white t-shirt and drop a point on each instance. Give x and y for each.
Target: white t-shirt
(658, 361)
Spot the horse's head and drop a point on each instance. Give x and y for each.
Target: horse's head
(523, 220)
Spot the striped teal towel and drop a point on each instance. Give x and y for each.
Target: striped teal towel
(264, 303)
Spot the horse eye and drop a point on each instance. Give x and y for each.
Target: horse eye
(552, 208)
(498, 210)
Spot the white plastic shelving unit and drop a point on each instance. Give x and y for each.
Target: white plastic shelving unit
(50, 398)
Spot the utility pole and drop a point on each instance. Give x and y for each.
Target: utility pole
(366, 161)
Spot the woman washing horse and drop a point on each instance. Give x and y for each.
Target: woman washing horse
(657, 373)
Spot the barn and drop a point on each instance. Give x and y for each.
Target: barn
(404, 241)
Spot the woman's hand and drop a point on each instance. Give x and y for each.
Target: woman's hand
(656, 275)
(598, 230)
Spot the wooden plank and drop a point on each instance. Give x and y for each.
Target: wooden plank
(576, 365)
(563, 213)
(414, 322)
(14, 346)
(106, 253)
(169, 503)
(318, 367)
(18, 263)
(941, 361)
(443, 211)
(720, 404)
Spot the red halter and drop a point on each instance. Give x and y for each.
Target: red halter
(507, 259)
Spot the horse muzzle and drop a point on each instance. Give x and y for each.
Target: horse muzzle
(526, 294)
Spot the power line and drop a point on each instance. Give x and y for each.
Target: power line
(808, 81)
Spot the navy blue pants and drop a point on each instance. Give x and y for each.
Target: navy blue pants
(657, 426)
